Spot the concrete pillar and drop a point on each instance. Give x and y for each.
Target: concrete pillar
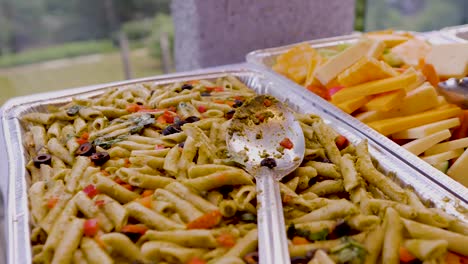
(217, 32)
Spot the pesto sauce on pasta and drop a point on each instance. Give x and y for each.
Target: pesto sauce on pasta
(170, 193)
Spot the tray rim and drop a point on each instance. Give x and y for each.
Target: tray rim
(451, 32)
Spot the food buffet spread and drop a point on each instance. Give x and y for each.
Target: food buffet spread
(139, 171)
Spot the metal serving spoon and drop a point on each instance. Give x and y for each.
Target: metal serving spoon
(268, 141)
(455, 91)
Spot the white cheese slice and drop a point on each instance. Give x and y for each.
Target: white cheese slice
(446, 146)
(441, 157)
(334, 66)
(418, 146)
(426, 130)
(449, 60)
(459, 170)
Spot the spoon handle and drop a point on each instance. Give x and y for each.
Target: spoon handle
(273, 247)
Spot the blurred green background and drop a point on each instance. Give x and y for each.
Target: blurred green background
(49, 45)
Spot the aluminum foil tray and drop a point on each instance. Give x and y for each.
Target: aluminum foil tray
(266, 58)
(15, 177)
(457, 33)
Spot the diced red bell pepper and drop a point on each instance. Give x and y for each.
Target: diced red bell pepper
(215, 88)
(341, 142)
(286, 143)
(136, 229)
(202, 109)
(334, 90)
(320, 91)
(52, 202)
(91, 191)
(100, 203)
(206, 221)
(91, 227)
(226, 240)
(132, 108)
(267, 102)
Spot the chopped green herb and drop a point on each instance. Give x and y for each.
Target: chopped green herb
(106, 143)
(317, 236)
(350, 252)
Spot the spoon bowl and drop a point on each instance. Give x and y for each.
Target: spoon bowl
(265, 137)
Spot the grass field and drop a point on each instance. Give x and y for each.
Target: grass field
(73, 72)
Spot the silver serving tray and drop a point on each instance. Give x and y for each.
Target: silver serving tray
(16, 178)
(456, 33)
(266, 58)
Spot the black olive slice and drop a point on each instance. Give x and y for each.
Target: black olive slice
(229, 114)
(85, 149)
(187, 86)
(205, 94)
(341, 229)
(100, 158)
(237, 103)
(268, 162)
(191, 119)
(299, 260)
(42, 159)
(172, 129)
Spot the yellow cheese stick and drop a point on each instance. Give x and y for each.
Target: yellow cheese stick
(354, 104)
(334, 66)
(397, 124)
(449, 145)
(387, 101)
(426, 130)
(377, 49)
(420, 99)
(418, 146)
(374, 87)
(458, 170)
(441, 157)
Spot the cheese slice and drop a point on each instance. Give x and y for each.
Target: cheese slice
(449, 60)
(335, 65)
(420, 78)
(418, 146)
(312, 66)
(374, 87)
(418, 100)
(386, 101)
(425, 130)
(397, 124)
(441, 157)
(354, 104)
(365, 70)
(447, 146)
(412, 50)
(458, 171)
(377, 49)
